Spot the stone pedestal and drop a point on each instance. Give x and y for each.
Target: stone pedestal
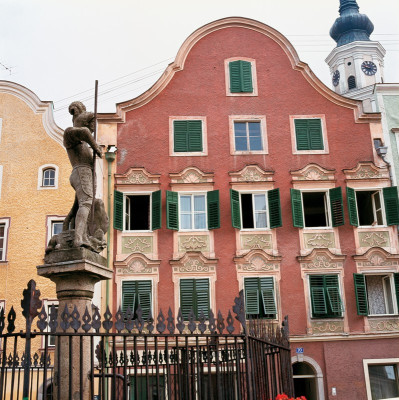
(75, 272)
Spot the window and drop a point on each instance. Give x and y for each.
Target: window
(135, 293)
(255, 210)
(325, 296)
(194, 296)
(48, 306)
(4, 225)
(317, 209)
(351, 82)
(260, 299)
(382, 378)
(137, 212)
(56, 227)
(240, 73)
(308, 134)
(192, 211)
(187, 136)
(377, 294)
(248, 136)
(48, 177)
(373, 207)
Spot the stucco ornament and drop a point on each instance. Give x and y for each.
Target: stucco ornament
(81, 228)
(194, 266)
(257, 241)
(319, 240)
(193, 243)
(322, 262)
(138, 244)
(374, 239)
(137, 178)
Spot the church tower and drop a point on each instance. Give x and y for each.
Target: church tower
(356, 63)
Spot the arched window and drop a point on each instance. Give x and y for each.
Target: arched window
(48, 177)
(351, 82)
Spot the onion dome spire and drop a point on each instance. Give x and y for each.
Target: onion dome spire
(351, 26)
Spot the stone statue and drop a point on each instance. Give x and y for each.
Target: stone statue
(80, 228)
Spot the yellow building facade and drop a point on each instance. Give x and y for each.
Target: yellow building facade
(35, 193)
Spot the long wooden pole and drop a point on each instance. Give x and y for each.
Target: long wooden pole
(94, 152)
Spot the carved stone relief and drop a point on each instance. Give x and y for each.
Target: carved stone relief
(314, 240)
(386, 325)
(136, 267)
(193, 266)
(365, 172)
(137, 178)
(321, 262)
(194, 243)
(250, 242)
(252, 175)
(313, 174)
(192, 177)
(137, 244)
(374, 239)
(259, 264)
(327, 327)
(378, 260)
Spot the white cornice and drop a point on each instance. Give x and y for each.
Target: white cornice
(343, 336)
(38, 107)
(387, 88)
(236, 22)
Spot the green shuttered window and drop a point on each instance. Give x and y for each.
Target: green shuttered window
(325, 296)
(260, 299)
(361, 294)
(187, 136)
(240, 77)
(250, 210)
(137, 212)
(391, 205)
(309, 135)
(194, 296)
(135, 293)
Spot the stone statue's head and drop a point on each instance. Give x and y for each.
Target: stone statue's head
(80, 117)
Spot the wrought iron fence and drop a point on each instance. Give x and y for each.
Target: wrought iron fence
(131, 358)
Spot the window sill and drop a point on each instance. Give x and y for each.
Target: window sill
(189, 154)
(248, 152)
(5, 262)
(326, 318)
(306, 152)
(257, 230)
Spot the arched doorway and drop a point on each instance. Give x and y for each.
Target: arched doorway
(305, 381)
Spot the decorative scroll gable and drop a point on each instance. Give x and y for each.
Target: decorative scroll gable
(321, 259)
(257, 261)
(377, 257)
(191, 175)
(137, 176)
(252, 173)
(366, 170)
(313, 172)
(137, 263)
(194, 262)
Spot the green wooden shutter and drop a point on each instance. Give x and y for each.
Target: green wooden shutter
(212, 199)
(296, 204)
(337, 207)
(240, 77)
(235, 209)
(334, 299)
(396, 281)
(180, 136)
(186, 296)
(128, 295)
(352, 207)
(156, 217)
(172, 210)
(144, 296)
(246, 77)
(273, 197)
(251, 289)
(315, 134)
(319, 306)
(301, 134)
(202, 296)
(391, 205)
(194, 130)
(361, 294)
(118, 210)
(267, 295)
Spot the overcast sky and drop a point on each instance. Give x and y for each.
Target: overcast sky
(58, 48)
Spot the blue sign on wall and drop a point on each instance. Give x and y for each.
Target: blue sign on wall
(299, 350)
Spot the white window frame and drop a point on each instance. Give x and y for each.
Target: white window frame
(248, 118)
(41, 170)
(393, 293)
(125, 211)
(384, 220)
(6, 222)
(204, 151)
(255, 192)
(254, 77)
(326, 209)
(50, 220)
(322, 117)
(47, 303)
(133, 278)
(205, 194)
(380, 361)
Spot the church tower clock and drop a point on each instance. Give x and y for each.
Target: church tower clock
(356, 63)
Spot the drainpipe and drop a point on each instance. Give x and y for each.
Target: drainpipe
(382, 152)
(110, 156)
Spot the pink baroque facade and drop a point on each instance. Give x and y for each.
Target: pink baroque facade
(239, 170)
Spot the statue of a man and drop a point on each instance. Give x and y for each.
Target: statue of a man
(78, 142)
